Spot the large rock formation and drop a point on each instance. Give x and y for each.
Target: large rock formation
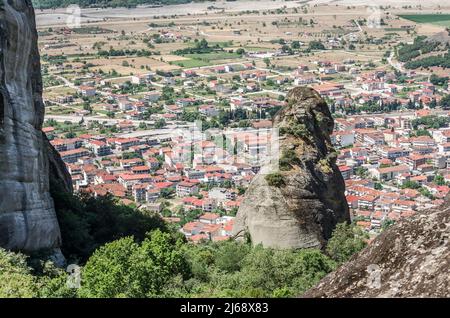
(303, 210)
(411, 259)
(27, 216)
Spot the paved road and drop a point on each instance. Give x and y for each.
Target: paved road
(77, 119)
(399, 66)
(100, 119)
(403, 114)
(151, 132)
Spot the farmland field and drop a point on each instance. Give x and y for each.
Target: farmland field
(189, 63)
(213, 56)
(205, 59)
(436, 19)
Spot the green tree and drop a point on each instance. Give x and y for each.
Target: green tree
(316, 45)
(347, 239)
(362, 172)
(445, 102)
(52, 281)
(295, 45)
(160, 123)
(387, 223)
(142, 125)
(426, 193)
(88, 222)
(287, 49)
(240, 51)
(126, 269)
(167, 193)
(378, 186)
(202, 44)
(16, 280)
(410, 185)
(268, 273)
(229, 256)
(439, 180)
(70, 135)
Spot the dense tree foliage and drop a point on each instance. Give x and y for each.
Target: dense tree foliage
(265, 272)
(126, 269)
(18, 279)
(445, 102)
(275, 180)
(347, 240)
(316, 45)
(411, 54)
(89, 222)
(125, 52)
(442, 60)
(15, 276)
(160, 263)
(437, 80)
(165, 266)
(200, 47)
(408, 52)
(430, 121)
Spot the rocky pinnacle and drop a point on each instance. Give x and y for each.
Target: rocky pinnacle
(302, 208)
(27, 217)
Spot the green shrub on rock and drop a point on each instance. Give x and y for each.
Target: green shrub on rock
(275, 180)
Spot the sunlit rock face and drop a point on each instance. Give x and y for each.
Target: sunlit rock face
(410, 259)
(27, 216)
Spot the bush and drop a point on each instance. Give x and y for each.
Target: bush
(347, 239)
(316, 45)
(325, 166)
(18, 279)
(275, 180)
(288, 159)
(229, 256)
(296, 130)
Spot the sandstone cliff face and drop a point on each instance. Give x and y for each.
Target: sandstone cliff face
(303, 211)
(27, 216)
(411, 259)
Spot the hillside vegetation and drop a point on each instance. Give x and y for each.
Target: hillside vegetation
(118, 260)
(48, 4)
(416, 55)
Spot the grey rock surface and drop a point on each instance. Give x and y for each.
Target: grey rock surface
(410, 259)
(27, 217)
(303, 212)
